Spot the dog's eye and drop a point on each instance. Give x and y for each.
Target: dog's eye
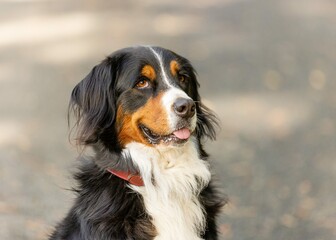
(143, 83)
(183, 78)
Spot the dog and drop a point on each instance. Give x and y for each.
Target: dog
(149, 178)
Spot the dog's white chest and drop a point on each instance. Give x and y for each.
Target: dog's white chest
(174, 219)
(173, 181)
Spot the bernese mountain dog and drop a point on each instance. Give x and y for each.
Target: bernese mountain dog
(149, 178)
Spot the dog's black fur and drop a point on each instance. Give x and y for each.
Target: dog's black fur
(106, 208)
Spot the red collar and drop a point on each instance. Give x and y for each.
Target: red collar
(129, 177)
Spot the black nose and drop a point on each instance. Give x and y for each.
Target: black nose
(184, 107)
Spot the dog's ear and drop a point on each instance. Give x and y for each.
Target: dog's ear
(207, 122)
(93, 101)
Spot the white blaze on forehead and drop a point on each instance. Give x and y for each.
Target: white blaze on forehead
(163, 72)
(170, 96)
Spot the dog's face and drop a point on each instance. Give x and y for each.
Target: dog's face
(142, 94)
(155, 104)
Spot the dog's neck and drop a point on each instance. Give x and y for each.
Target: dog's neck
(173, 179)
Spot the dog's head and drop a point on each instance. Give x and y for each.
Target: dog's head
(142, 94)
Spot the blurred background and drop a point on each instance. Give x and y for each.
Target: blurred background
(266, 67)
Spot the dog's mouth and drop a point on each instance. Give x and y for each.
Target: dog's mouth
(178, 136)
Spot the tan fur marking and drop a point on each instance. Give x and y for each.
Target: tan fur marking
(127, 130)
(174, 67)
(148, 72)
(153, 115)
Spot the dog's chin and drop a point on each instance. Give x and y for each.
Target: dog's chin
(176, 138)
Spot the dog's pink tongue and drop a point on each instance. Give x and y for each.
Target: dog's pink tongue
(183, 133)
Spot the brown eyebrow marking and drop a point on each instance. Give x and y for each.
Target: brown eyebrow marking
(148, 72)
(174, 67)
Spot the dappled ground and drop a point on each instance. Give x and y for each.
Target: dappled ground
(266, 67)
